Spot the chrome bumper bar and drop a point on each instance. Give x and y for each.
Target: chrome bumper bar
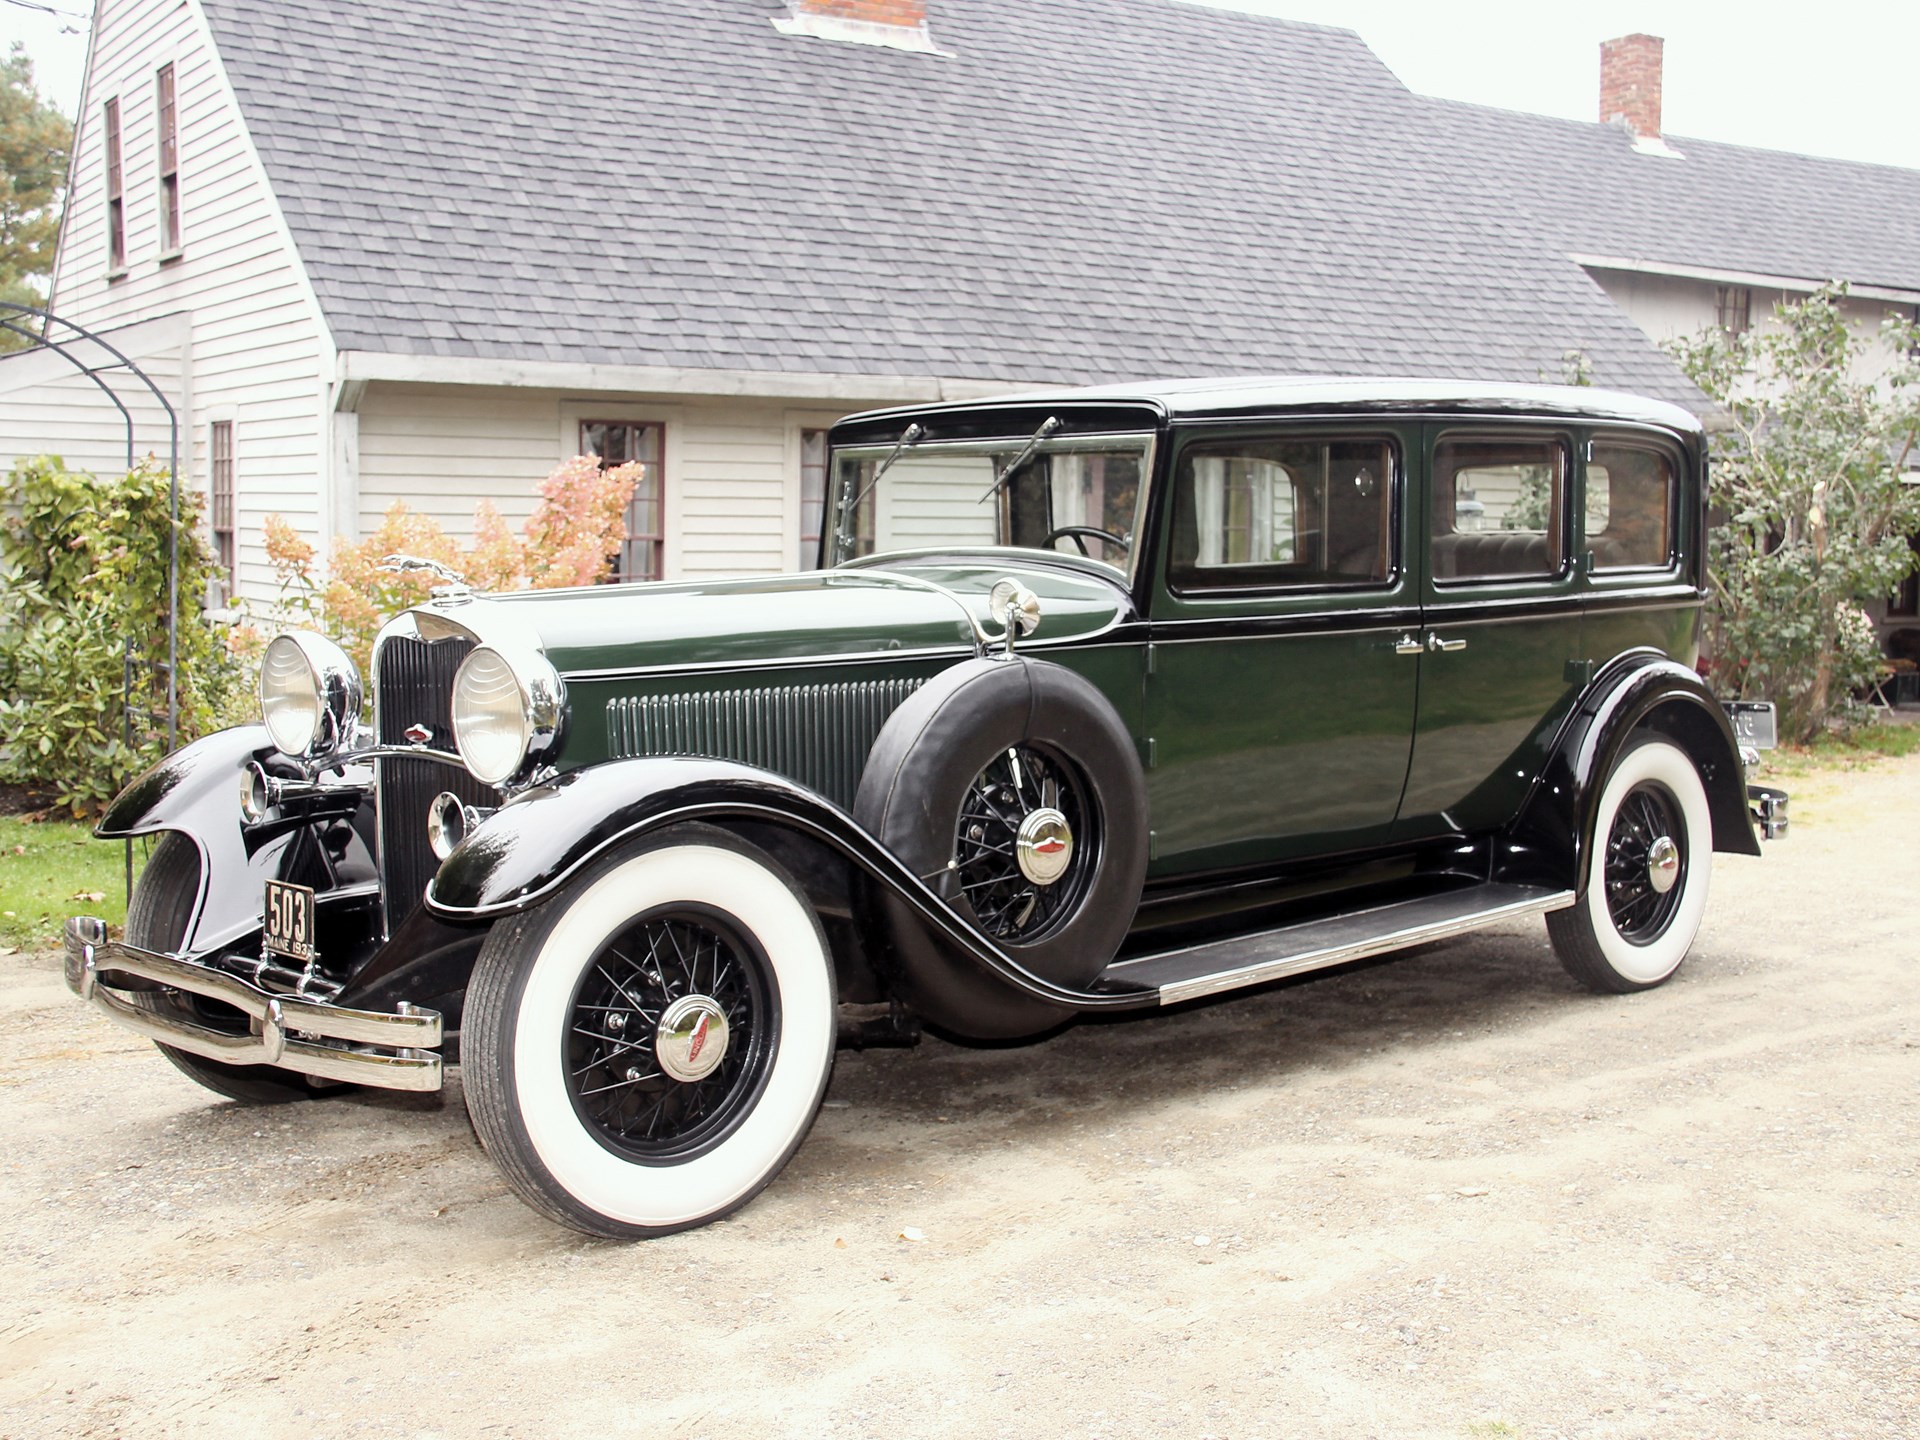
(1769, 809)
(390, 1051)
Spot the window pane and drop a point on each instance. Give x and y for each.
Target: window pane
(1629, 508)
(813, 494)
(1496, 509)
(622, 442)
(1275, 512)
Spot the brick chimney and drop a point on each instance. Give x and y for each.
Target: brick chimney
(872, 12)
(897, 24)
(1630, 83)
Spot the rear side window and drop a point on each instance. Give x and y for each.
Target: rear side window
(1497, 507)
(1630, 506)
(1275, 512)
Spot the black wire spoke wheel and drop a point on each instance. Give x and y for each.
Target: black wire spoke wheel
(1646, 864)
(1023, 819)
(670, 1037)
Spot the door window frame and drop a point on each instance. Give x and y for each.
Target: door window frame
(1438, 591)
(1184, 601)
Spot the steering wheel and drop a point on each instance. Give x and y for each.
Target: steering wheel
(1079, 533)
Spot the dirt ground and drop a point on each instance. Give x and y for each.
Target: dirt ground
(1448, 1196)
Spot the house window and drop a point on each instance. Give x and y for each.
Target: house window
(1735, 306)
(813, 495)
(220, 487)
(116, 200)
(1904, 603)
(624, 442)
(167, 127)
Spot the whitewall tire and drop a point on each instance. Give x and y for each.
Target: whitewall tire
(644, 1052)
(1649, 863)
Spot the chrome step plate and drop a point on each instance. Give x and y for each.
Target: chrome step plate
(1196, 970)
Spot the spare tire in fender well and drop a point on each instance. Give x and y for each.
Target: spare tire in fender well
(931, 758)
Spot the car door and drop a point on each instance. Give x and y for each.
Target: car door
(1280, 687)
(1500, 616)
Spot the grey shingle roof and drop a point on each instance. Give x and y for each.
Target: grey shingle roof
(1081, 190)
(1720, 207)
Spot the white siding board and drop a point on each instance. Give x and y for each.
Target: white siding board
(261, 356)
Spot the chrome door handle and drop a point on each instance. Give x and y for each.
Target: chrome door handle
(1408, 645)
(1434, 642)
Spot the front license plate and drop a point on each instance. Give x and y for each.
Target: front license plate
(289, 927)
(1752, 722)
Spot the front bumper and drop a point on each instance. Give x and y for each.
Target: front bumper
(390, 1051)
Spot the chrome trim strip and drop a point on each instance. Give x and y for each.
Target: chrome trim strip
(292, 1031)
(1283, 966)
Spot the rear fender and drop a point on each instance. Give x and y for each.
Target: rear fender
(1637, 692)
(527, 851)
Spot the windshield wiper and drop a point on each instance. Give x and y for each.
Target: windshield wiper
(1047, 427)
(851, 509)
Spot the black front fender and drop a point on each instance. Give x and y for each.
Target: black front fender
(196, 792)
(528, 850)
(1639, 691)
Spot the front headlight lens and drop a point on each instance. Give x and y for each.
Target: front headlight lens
(492, 716)
(289, 696)
(309, 693)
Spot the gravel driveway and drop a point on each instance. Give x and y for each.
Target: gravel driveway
(1451, 1195)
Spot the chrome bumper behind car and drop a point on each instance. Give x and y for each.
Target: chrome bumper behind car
(1768, 807)
(391, 1051)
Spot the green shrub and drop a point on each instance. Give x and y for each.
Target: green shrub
(1806, 483)
(83, 590)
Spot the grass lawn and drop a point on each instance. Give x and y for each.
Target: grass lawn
(1859, 747)
(52, 869)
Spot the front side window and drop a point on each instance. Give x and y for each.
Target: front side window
(167, 129)
(1497, 508)
(1282, 512)
(1629, 508)
(623, 442)
(1078, 496)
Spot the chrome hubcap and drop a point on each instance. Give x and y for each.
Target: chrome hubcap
(1663, 864)
(691, 1040)
(1025, 845)
(1044, 845)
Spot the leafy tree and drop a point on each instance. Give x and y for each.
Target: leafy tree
(34, 139)
(575, 529)
(1805, 485)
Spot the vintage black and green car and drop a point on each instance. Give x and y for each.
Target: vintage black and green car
(1101, 700)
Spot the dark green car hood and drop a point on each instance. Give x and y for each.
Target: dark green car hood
(851, 611)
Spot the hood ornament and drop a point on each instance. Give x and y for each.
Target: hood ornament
(455, 590)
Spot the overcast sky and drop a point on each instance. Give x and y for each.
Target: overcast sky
(1826, 77)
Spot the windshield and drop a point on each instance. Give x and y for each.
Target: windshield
(1078, 496)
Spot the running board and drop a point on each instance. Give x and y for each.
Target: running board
(1196, 970)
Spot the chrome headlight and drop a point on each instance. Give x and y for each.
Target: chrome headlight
(309, 694)
(504, 712)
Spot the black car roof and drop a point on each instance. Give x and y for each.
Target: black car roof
(1226, 398)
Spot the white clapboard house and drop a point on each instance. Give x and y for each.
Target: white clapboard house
(424, 249)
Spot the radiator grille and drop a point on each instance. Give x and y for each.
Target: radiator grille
(818, 735)
(415, 683)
